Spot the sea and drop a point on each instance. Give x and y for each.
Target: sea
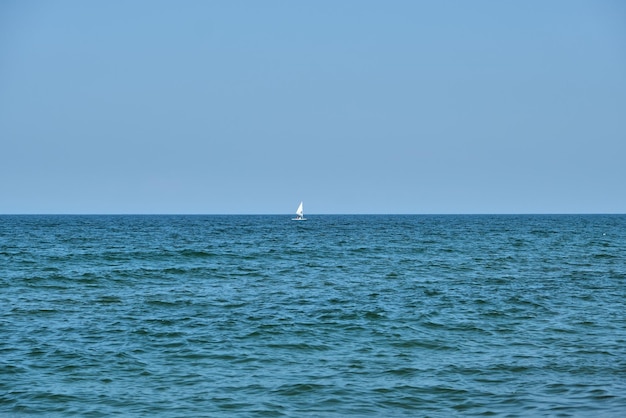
(338, 315)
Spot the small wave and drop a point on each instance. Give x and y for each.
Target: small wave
(175, 271)
(425, 343)
(197, 254)
(301, 346)
(602, 256)
(109, 299)
(403, 371)
(298, 389)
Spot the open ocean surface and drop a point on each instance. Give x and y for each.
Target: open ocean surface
(221, 316)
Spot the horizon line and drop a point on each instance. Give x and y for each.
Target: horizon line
(314, 214)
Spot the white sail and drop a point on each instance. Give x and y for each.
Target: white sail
(300, 213)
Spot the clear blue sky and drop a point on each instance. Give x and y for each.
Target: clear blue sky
(352, 106)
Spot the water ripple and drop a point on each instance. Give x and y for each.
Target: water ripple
(366, 316)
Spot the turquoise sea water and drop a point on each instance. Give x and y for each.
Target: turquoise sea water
(181, 316)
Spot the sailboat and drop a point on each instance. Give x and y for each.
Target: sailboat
(299, 214)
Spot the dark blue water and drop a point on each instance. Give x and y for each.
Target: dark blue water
(340, 315)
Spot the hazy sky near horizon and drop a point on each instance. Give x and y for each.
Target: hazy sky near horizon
(352, 106)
